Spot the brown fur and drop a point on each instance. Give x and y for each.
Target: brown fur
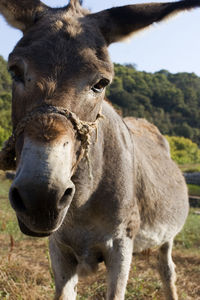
(20, 14)
(49, 129)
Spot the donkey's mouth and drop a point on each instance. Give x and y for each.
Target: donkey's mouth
(25, 230)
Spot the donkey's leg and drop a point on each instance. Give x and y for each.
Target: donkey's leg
(167, 271)
(118, 266)
(64, 267)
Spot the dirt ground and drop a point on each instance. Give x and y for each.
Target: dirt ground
(25, 274)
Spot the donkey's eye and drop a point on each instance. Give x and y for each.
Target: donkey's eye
(99, 87)
(16, 73)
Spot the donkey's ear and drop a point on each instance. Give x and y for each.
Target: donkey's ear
(21, 14)
(119, 22)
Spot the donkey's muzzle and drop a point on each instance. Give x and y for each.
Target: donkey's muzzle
(40, 208)
(25, 230)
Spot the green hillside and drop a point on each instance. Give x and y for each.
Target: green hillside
(170, 101)
(5, 101)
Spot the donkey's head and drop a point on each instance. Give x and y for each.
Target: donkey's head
(61, 61)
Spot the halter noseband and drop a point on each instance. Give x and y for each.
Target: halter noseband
(83, 129)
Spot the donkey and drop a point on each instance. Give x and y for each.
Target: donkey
(99, 186)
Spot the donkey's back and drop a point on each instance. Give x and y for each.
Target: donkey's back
(161, 190)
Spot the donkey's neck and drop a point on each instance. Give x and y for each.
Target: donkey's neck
(111, 161)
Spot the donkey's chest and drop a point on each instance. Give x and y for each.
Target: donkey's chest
(89, 247)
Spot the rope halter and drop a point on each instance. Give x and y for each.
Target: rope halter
(83, 129)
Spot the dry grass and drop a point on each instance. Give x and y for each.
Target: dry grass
(25, 272)
(144, 282)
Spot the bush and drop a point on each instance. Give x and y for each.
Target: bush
(183, 150)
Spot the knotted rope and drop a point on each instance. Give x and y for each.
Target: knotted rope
(83, 129)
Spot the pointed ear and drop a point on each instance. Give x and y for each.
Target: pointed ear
(119, 22)
(76, 3)
(21, 14)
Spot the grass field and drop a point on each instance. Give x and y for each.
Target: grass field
(25, 273)
(194, 190)
(190, 168)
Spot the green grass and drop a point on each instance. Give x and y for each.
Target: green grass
(139, 287)
(188, 238)
(4, 186)
(194, 190)
(190, 168)
(8, 220)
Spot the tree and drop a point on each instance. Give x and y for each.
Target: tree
(170, 101)
(5, 102)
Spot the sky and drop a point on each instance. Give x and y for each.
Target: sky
(173, 45)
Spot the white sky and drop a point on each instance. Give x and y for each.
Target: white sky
(173, 45)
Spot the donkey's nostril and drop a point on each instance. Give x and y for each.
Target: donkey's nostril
(64, 201)
(16, 200)
(68, 192)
